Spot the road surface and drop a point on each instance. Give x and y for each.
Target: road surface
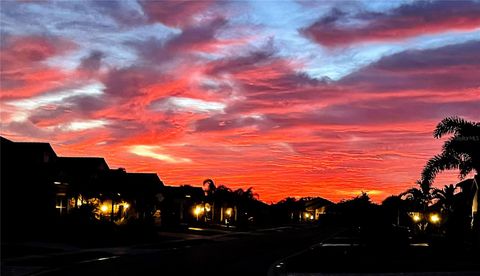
(246, 253)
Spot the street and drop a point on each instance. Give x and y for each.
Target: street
(244, 253)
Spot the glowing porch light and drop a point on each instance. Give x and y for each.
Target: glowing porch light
(198, 210)
(434, 218)
(104, 208)
(228, 211)
(416, 218)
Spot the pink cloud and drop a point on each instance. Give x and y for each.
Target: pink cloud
(23, 71)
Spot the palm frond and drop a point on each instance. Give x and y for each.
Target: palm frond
(438, 163)
(450, 125)
(466, 166)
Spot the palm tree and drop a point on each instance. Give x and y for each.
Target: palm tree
(461, 151)
(446, 197)
(419, 197)
(210, 188)
(245, 202)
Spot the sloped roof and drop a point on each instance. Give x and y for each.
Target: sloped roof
(27, 153)
(147, 182)
(5, 140)
(82, 165)
(182, 191)
(317, 202)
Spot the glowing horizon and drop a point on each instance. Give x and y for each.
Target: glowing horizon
(292, 98)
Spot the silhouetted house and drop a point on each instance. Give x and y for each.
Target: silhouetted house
(114, 194)
(145, 191)
(28, 189)
(180, 204)
(304, 209)
(78, 179)
(287, 210)
(315, 208)
(38, 187)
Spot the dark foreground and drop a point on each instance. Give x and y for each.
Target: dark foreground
(291, 250)
(347, 253)
(241, 253)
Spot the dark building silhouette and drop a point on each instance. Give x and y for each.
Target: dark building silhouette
(27, 183)
(180, 202)
(38, 189)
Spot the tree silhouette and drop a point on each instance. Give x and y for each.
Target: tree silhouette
(446, 197)
(461, 151)
(210, 188)
(419, 198)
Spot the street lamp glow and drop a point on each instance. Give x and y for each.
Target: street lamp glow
(198, 210)
(435, 218)
(104, 208)
(416, 218)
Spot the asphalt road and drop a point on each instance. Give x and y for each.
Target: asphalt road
(348, 254)
(236, 254)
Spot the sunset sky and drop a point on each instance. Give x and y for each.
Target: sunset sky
(293, 98)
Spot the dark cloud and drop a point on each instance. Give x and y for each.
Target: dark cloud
(129, 82)
(380, 112)
(174, 13)
(198, 38)
(224, 123)
(442, 69)
(92, 62)
(409, 20)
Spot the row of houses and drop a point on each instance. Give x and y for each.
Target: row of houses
(39, 187)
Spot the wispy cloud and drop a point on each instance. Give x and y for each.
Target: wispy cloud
(155, 152)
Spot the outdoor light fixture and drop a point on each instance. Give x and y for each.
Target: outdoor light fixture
(416, 218)
(198, 210)
(434, 218)
(104, 208)
(229, 211)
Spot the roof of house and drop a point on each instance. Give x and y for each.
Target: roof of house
(83, 164)
(184, 191)
(27, 153)
(146, 182)
(317, 203)
(5, 140)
